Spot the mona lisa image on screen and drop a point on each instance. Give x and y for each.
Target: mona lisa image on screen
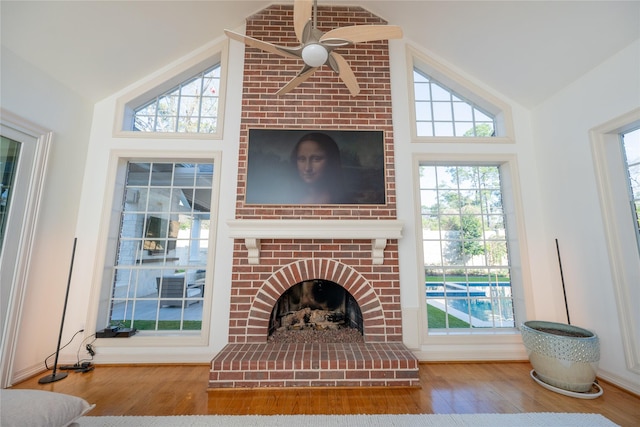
(315, 167)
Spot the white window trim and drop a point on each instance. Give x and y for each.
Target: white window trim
(480, 344)
(467, 89)
(168, 79)
(619, 232)
(113, 191)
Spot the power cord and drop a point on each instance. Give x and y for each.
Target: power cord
(53, 354)
(83, 365)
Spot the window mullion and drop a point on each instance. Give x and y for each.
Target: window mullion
(201, 100)
(155, 118)
(433, 118)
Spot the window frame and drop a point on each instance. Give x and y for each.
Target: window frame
(22, 231)
(117, 174)
(167, 79)
(619, 227)
(522, 291)
(463, 88)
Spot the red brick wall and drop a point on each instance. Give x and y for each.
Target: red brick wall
(322, 102)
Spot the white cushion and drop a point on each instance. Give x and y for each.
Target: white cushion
(39, 408)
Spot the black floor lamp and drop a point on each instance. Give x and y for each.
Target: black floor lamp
(55, 375)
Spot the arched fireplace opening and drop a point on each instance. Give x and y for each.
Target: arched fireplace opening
(316, 311)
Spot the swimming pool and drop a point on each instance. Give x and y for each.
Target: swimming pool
(481, 304)
(461, 289)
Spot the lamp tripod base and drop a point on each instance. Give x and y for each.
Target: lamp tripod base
(56, 376)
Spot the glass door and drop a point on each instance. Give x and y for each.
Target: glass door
(24, 150)
(9, 157)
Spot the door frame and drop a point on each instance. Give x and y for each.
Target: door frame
(22, 220)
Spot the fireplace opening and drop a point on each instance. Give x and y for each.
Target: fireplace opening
(316, 311)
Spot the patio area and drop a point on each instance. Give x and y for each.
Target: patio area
(147, 310)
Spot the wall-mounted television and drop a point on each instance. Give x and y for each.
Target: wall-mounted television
(315, 167)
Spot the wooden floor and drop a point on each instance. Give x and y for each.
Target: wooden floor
(446, 388)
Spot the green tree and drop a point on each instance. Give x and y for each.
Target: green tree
(472, 231)
(482, 130)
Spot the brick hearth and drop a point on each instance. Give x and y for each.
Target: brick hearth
(314, 365)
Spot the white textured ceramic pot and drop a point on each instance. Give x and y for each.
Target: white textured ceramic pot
(562, 355)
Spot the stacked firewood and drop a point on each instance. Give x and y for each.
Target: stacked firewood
(308, 325)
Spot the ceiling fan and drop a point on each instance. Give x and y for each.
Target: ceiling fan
(317, 48)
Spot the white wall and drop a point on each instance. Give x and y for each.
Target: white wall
(570, 198)
(32, 95)
(96, 205)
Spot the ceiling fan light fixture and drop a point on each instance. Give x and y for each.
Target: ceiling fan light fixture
(314, 55)
(317, 47)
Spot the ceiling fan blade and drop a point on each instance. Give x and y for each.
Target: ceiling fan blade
(259, 44)
(302, 76)
(362, 33)
(345, 73)
(301, 15)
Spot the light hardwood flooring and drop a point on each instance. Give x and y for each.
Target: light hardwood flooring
(503, 387)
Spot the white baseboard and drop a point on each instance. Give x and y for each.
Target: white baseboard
(619, 382)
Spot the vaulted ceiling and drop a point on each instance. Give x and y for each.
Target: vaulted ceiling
(526, 50)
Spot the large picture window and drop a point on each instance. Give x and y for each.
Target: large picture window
(158, 277)
(467, 272)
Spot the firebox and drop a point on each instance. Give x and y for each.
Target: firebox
(316, 311)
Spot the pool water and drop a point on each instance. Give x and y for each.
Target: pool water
(480, 304)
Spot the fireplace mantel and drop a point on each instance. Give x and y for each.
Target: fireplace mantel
(252, 230)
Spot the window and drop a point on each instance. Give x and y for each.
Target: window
(157, 278)
(467, 272)
(439, 111)
(446, 107)
(185, 100)
(631, 153)
(189, 107)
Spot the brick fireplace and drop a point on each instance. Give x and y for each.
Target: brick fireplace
(277, 247)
